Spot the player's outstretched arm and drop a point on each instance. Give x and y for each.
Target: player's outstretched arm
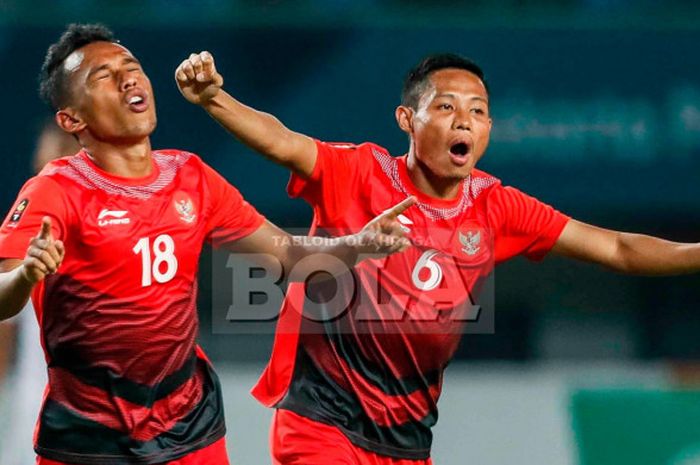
(300, 256)
(626, 252)
(201, 84)
(18, 277)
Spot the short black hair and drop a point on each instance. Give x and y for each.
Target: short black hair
(417, 78)
(53, 87)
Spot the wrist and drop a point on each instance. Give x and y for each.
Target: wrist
(210, 103)
(356, 245)
(23, 276)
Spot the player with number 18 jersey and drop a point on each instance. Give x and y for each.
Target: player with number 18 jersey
(118, 321)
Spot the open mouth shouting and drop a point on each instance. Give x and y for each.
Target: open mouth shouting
(137, 101)
(460, 151)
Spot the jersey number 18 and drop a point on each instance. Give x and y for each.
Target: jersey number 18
(164, 252)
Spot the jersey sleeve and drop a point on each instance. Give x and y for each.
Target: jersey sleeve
(335, 181)
(523, 224)
(41, 196)
(231, 217)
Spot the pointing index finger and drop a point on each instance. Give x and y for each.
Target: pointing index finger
(400, 207)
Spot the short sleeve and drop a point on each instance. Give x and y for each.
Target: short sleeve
(523, 224)
(41, 196)
(231, 217)
(335, 181)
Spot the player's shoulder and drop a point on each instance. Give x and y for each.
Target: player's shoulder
(484, 182)
(176, 155)
(43, 188)
(175, 160)
(359, 149)
(50, 169)
(49, 176)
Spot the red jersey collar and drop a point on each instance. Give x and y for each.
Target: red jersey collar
(125, 181)
(420, 195)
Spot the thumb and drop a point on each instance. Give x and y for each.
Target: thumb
(45, 232)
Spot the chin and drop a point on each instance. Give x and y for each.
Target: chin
(459, 173)
(144, 130)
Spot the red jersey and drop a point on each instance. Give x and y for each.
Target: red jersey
(379, 384)
(127, 382)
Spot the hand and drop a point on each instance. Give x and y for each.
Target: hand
(198, 79)
(385, 234)
(44, 255)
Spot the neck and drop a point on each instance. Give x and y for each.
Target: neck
(430, 184)
(132, 160)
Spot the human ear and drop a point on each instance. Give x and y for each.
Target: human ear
(404, 118)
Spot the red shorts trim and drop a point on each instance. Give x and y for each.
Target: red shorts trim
(297, 440)
(213, 454)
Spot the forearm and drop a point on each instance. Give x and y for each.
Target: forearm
(15, 290)
(647, 255)
(7, 345)
(307, 255)
(258, 130)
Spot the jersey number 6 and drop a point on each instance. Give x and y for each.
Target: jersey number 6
(434, 271)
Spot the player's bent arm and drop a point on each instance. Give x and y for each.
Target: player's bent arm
(298, 256)
(264, 133)
(201, 84)
(301, 256)
(18, 277)
(627, 252)
(15, 288)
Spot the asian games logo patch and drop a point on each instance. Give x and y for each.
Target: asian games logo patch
(184, 207)
(19, 211)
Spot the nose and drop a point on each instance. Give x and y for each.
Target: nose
(127, 82)
(462, 121)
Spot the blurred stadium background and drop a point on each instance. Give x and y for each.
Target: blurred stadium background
(596, 107)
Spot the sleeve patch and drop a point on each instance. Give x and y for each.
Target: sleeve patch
(17, 214)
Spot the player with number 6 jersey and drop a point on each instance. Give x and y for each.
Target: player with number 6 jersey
(363, 389)
(379, 382)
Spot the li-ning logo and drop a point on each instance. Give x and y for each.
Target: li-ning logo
(112, 217)
(470, 242)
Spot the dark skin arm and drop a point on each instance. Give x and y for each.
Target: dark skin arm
(381, 236)
(200, 83)
(627, 252)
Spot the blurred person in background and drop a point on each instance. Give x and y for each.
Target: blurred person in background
(27, 378)
(353, 397)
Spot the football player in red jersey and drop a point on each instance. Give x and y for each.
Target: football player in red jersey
(115, 233)
(355, 396)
